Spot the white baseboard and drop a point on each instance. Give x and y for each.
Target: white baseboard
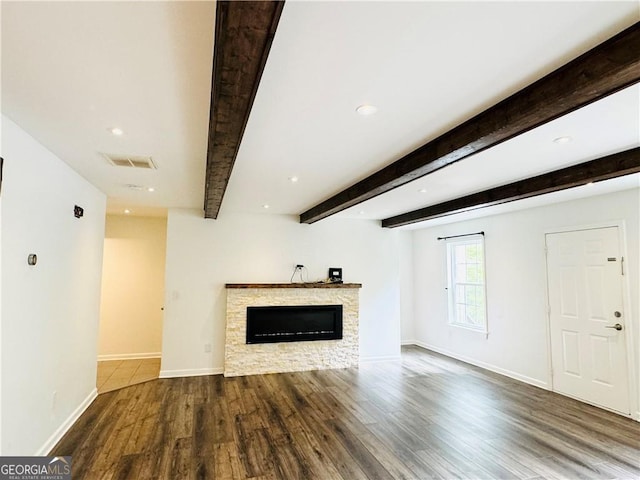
(191, 372)
(67, 424)
(408, 342)
(382, 358)
(129, 356)
(487, 366)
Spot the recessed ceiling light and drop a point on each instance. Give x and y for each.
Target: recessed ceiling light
(116, 131)
(293, 179)
(366, 109)
(422, 190)
(565, 139)
(151, 189)
(127, 211)
(265, 206)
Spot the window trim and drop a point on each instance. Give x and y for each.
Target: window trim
(451, 283)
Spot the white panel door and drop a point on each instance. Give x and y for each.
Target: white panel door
(587, 323)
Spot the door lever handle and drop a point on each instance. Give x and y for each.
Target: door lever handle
(617, 326)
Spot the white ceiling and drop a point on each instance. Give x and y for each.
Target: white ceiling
(71, 70)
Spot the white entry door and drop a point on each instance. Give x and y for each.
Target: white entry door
(587, 321)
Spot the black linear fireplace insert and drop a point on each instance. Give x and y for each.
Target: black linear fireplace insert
(294, 323)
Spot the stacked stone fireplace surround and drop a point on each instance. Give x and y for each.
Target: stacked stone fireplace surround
(251, 359)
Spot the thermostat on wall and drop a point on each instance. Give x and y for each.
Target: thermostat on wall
(335, 275)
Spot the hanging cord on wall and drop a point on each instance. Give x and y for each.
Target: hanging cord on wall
(302, 270)
(463, 235)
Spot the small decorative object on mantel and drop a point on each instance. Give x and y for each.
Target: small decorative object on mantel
(335, 275)
(300, 270)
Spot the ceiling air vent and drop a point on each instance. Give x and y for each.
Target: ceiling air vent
(131, 161)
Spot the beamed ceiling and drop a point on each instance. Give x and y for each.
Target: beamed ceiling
(602, 71)
(603, 168)
(594, 75)
(244, 33)
(234, 100)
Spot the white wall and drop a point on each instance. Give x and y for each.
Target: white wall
(203, 255)
(1, 452)
(516, 283)
(132, 287)
(49, 311)
(407, 324)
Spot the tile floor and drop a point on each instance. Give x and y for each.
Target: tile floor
(115, 374)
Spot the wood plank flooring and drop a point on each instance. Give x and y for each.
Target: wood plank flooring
(425, 417)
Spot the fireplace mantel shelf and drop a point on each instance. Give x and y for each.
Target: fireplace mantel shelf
(293, 285)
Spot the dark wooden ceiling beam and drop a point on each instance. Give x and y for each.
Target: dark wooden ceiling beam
(243, 37)
(604, 168)
(602, 71)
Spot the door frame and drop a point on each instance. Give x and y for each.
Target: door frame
(634, 381)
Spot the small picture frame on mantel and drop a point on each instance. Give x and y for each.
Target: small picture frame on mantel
(335, 275)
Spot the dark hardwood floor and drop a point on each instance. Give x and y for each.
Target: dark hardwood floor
(425, 417)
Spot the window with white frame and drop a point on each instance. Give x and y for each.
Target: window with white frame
(466, 285)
